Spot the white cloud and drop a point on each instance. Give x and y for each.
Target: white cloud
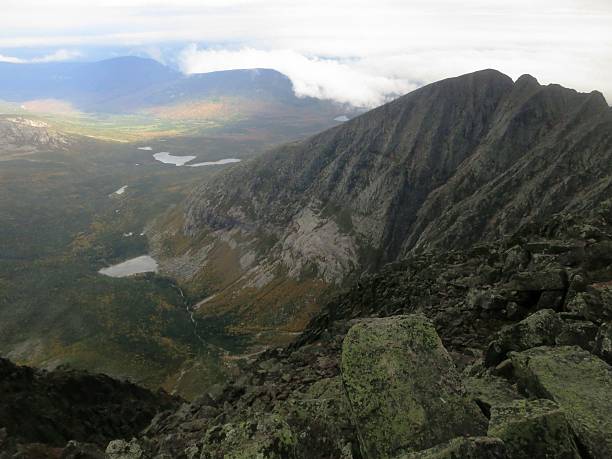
(311, 76)
(57, 56)
(11, 59)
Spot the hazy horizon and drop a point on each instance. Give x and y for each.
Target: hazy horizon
(357, 52)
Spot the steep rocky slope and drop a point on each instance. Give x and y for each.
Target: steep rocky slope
(40, 412)
(498, 351)
(456, 162)
(521, 367)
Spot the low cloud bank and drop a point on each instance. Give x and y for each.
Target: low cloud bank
(340, 80)
(369, 81)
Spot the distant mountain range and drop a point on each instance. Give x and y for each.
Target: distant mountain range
(456, 162)
(128, 84)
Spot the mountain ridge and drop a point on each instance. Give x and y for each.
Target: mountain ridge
(438, 167)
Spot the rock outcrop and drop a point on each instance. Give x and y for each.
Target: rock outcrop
(404, 390)
(579, 383)
(20, 135)
(533, 428)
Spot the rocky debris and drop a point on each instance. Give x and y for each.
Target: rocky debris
(595, 303)
(532, 429)
(269, 436)
(313, 424)
(579, 383)
(403, 388)
(463, 448)
(544, 281)
(538, 329)
(489, 390)
(577, 332)
(295, 403)
(54, 407)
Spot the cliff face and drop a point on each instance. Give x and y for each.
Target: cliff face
(459, 161)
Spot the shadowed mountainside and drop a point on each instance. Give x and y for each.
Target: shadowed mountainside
(55, 407)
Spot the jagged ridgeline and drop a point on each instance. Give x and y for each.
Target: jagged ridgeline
(459, 161)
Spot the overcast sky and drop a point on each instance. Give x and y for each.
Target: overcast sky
(352, 51)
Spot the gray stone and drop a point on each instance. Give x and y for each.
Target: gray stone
(403, 389)
(580, 383)
(488, 391)
(538, 329)
(533, 429)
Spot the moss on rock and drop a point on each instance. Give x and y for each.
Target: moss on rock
(404, 391)
(540, 328)
(580, 383)
(532, 429)
(270, 437)
(489, 391)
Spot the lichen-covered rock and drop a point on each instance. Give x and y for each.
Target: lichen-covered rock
(577, 333)
(532, 429)
(580, 383)
(320, 417)
(463, 448)
(404, 391)
(121, 449)
(309, 425)
(488, 390)
(603, 342)
(540, 328)
(268, 437)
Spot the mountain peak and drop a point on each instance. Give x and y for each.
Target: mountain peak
(488, 76)
(527, 80)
